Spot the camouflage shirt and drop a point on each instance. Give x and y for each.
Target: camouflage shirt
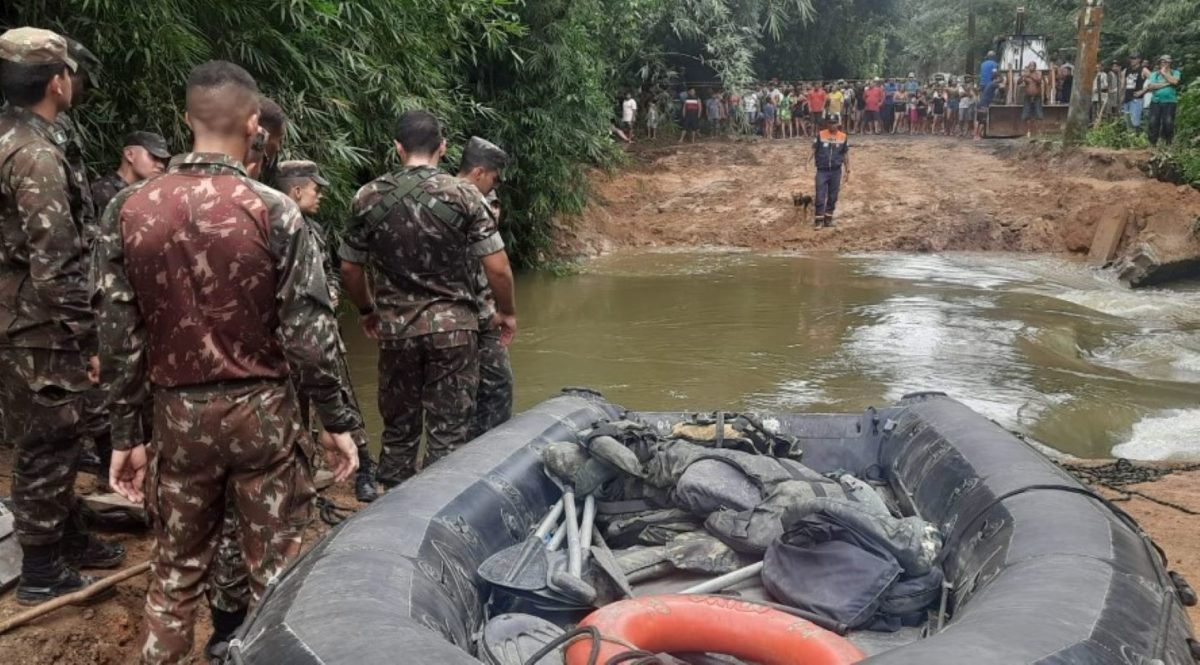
(333, 275)
(204, 276)
(483, 288)
(43, 267)
(82, 203)
(105, 190)
(425, 266)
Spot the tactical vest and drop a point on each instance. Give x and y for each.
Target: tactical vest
(829, 150)
(408, 186)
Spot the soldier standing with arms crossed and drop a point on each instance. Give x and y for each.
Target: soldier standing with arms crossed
(47, 331)
(482, 164)
(420, 230)
(210, 289)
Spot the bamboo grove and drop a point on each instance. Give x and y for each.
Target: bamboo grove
(539, 77)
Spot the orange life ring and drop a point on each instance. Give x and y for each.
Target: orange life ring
(691, 623)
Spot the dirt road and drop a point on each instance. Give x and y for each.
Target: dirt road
(904, 193)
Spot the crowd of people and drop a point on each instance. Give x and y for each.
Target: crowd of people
(793, 111)
(179, 314)
(1144, 93)
(776, 110)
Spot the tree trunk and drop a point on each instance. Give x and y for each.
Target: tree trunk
(971, 38)
(1091, 14)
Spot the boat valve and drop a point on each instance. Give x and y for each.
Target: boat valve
(1187, 595)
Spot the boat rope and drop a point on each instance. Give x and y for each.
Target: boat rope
(1120, 474)
(332, 513)
(634, 655)
(562, 641)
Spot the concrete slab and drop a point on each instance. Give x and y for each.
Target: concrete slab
(1107, 238)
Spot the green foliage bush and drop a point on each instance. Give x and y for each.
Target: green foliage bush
(1187, 119)
(1115, 134)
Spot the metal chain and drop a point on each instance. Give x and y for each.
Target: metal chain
(1119, 474)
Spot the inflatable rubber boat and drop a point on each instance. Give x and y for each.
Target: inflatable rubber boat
(1037, 568)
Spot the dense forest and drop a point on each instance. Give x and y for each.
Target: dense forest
(539, 77)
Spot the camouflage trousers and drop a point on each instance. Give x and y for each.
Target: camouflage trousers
(425, 383)
(228, 587)
(42, 399)
(494, 397)
(222, 448)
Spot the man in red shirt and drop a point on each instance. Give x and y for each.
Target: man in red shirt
(874, 102)
(816, 104)
(691, 116)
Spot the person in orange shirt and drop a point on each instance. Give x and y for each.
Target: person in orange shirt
(831, 154)
(816, 103)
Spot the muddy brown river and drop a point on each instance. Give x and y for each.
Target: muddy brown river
(1044, 346)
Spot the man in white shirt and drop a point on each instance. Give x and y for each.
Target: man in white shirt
(750, 100)
(1100, 90)
(628, 114)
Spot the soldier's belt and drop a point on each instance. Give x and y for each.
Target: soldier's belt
(228, 385)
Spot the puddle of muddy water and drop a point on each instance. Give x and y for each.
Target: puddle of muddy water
(1041, 345)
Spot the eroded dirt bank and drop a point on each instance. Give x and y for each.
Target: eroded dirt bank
(905, 194)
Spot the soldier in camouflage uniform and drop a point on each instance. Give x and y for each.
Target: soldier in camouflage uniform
(262, 160)
(47, 332)
(420, 230)
(143, 155)
(228, 582)
(82, 80)
(302, 181)
(482, 163)
(210, 291)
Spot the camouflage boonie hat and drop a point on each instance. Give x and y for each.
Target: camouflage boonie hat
(34, 46)
(295, 169)
(482, 150)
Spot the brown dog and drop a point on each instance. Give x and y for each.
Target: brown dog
(802, 202)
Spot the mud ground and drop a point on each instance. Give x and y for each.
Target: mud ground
(923, 194)
(109, 632)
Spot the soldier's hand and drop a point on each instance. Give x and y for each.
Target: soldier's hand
(370, 326)
(93, 370)
(127, 472)
(508, 327)
(340, 454)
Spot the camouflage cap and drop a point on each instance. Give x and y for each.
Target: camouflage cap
(295, 169)
(34, 46)
(483, 151)
(155, 144)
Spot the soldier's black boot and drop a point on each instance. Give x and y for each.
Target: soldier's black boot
(44, 576)
(83, 550)
(87, 551)
(225, 624)
(364, 482)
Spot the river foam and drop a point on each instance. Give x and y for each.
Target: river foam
(1172, 435)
